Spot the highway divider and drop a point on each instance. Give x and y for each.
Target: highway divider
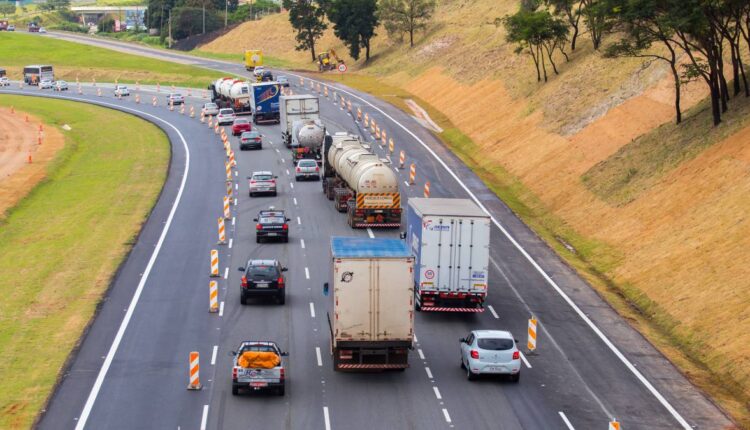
(213, 296)
(195, 380)
(214, 263)
(531, 343)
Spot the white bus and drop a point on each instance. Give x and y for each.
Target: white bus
(32, 75)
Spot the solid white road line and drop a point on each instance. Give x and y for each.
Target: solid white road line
(421, 354)
(213, 355)
(221, 309)
(620, 356)
(437, 393)
(204, 418)
(429, 372)
(226, 272)
(299, 221)
(312, 310)
(326, 418)
(525, 361)
(446, 415)
(318, 356)
(370, 233)
(302, 243)
(94, 393)
(494, 314)
(230, 243)
(307, 273)
(415, 338)
(566, 421)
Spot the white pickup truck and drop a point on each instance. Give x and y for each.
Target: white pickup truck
(258, 365)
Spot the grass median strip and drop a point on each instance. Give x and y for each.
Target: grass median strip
(85, 61)
(62, 243)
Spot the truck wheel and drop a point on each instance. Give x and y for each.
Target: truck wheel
(281, 299)
(235, 391)
(243, 299)
(257, 239)
(280, 391)
(515, 378)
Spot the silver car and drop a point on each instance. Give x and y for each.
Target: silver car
(175, 99)
(226, 116)
(45, 85)
(262, 183)
(122, 91)
(60, 86)
(4, 81)
(307, 169)
(490, 352)
(210, 109)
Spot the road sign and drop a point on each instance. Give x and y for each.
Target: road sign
(342, 67)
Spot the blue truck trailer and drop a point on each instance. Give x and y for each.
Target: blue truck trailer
(265, 102)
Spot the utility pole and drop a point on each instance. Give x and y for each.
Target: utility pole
(226, 11)
(169, 43)
(204, 17)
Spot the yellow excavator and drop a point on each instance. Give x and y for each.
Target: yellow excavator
(329, 60)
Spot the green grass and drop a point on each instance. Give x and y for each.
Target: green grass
(87, 62)
(62, 243)
(637, 166)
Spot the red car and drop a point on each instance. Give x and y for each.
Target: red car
(240, 125)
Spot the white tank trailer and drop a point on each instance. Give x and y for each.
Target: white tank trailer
(232, 93)
(361, 184)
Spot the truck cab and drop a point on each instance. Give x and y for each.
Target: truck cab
(258, 365)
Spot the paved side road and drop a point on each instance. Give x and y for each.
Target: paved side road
(590, 365)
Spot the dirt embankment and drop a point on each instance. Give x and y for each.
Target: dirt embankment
(19, 144)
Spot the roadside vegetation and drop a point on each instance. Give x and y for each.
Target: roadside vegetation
(64, 241)
(86, 62)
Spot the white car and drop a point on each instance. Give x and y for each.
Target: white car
(307, 169)
(121, 91)
(60, 86)
(491, 352)
(262, 183)
(175, 99)
(42, 30)
(226, 116)
(210, 109)
(4, 81)
(44, 85)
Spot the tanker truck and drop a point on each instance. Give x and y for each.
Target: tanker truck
(307, 140)
(232, 93)
(293, 108)
(361, 184)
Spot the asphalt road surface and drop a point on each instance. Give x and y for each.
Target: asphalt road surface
(131, 370)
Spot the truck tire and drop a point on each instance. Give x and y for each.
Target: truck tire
(515, 378)
(280, 391)
(281, 299)
(243, 299)
(235, 391)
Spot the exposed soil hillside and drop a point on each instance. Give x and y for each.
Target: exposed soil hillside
(677, 251)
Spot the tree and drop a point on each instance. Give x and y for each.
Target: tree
(307, 18)
(354, 23)
(571, 9)
(406, 16)
(596, 16)
(7, 8)
(642, 26)
(538, 33)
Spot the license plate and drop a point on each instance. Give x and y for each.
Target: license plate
(271, 234)
(258, 384)
(264, 285)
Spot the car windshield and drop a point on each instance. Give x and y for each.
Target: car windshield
(176, 95)
(241, 121)
(262, 177)
(272, 220)
(210, 106)
(262, 270)
(307, 163)
(226, 112)
(250, 135)
(495, 344)
(258, 347)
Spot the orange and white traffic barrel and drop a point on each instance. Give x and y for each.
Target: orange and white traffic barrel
(203, 117)
(325, 91)
(531, 344)
(427, 189)
(227, 211)
(412, 173)
(232, 161)
(153, 100)
(195, 380)
(222, 232)
(229, 189)
(137, 86)
(383, 137)
(349, 106)
(359, 114)
(137, 99)
(614, 424)
(228, 168)
(391, 146)
(210, 122)
(213, 296)
(182, 109)
(367, 120)
(216, 128)
(99, 92)
(401, 159)
(192, 111)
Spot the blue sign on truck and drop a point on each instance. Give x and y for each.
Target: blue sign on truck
(265, 102)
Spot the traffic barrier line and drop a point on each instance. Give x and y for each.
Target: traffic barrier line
(213, 296)
(222, 232)
(214, 263)
(531, 343)
(195, 380)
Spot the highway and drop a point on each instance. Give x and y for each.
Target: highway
(131, 370)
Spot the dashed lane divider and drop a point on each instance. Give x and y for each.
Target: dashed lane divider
(213, 296)
(531, 344)
(222, 232)
(214, 263)
(195, 380)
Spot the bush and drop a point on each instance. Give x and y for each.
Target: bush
(69, 26)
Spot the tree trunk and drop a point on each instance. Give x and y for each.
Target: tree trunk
(367, 50)
(411, 38)
(536, 64)
(735, 69)
(549, 55)
(677, 92)
(541, 58)
(724, 88)
(715, 94)
(742, 71)
(312, 48)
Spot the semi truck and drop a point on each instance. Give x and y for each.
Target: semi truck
(294, 108)
(307, 140)
(360, 183)
(232, 93)
(371, 315)
(450, 239)
(265, 101)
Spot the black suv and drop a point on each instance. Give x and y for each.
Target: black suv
(271, 224)
(263, 278)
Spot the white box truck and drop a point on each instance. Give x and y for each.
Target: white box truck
(372, 310)
(450, 239)
(296, 108)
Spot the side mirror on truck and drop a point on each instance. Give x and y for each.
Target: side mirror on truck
(325, 289)
(402, 235)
